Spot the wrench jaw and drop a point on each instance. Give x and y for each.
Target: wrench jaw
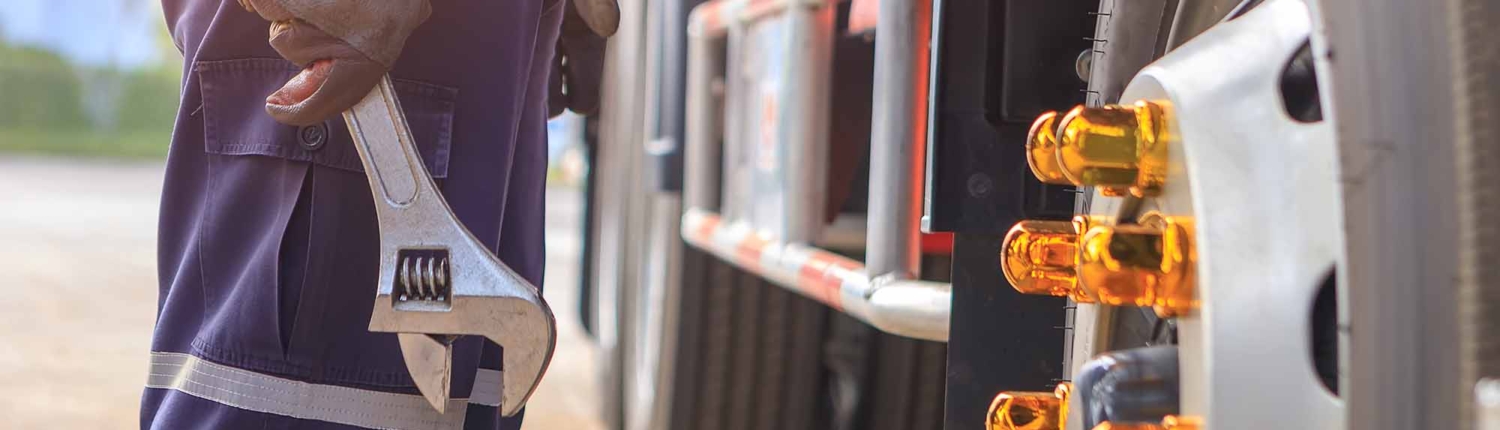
(482, 298)
(525, 365)
(430, 362)
(526, 329)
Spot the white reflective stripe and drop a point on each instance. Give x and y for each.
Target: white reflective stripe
(331, 403)
(486, 388)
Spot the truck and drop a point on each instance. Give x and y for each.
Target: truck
(1026, 214)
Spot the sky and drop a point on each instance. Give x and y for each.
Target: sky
(119, 33)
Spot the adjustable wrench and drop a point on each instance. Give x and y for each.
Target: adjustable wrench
(438, 282)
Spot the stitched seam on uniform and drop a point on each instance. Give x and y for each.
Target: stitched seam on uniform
(341, 160)
(222, 356)
(443, 147)
(250, 63)
(281, 368)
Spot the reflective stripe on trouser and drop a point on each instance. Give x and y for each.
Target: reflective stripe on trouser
(259, 392)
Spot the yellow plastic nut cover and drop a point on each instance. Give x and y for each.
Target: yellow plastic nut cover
(1171, 422)
(1148, 264)
(1030, 410)
(1178, 422)
(1041, 257)
(1041, 150)
(1118, 148)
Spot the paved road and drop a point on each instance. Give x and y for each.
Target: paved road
(78, 272)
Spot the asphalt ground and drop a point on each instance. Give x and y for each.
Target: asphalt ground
(78, 297)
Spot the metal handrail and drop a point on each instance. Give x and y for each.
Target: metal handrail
(884, 294)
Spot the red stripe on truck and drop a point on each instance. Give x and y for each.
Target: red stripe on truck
(707, 227)
(819, 277)
(748, 251)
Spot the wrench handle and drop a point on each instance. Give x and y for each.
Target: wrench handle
(385, 145)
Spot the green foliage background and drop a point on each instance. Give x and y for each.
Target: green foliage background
(50, 105)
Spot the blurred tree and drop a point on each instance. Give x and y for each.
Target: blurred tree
(40, 89)
(51, 102)
(148, 100)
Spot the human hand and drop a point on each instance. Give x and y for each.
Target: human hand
(578, 66)
(344, 46)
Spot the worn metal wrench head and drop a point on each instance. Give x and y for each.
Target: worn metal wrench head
(438, 282)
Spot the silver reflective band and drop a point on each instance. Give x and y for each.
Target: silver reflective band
(342, 405)
(1487, 404)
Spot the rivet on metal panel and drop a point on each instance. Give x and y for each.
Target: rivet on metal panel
(1030, 410)
(1041, 257)
(1118, 148)
(979, 185)
(1149, 264)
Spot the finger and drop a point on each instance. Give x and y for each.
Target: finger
(323, 91)
(271, 10)
(302, 43)
(557, 102)
(302, 86)
(601, 16)
(583, 71)
(582, 78)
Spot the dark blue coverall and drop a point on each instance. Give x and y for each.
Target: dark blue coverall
(268, 241)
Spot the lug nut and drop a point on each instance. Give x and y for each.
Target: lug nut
(1041, 257)
(1118, 148)
(1041, 150)
(1177, 422)
(1150, 264)
(1028, 410)
(1171, 422)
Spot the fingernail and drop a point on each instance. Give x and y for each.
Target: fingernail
(302, 86)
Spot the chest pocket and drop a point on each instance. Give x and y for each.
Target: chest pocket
(235, 122)
(262, 178)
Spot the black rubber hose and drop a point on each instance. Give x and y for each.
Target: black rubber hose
(1133, 385)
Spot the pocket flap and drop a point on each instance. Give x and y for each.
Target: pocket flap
(235, 121)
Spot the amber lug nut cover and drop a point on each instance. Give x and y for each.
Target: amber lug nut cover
(1041, 257)
(1118, 148)
(1171, 422)
(1041, 150)
(1177, 422)
(1148, 264)
(1027, 410)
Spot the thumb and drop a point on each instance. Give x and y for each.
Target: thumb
(323, 90)
(602, 16)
